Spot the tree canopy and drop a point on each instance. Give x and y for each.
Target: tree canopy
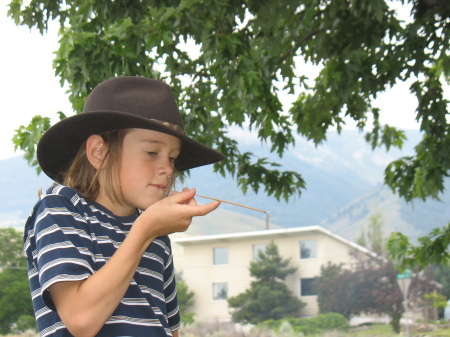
(11, 254)
(432, 249)
(15, 298)
(228, 61)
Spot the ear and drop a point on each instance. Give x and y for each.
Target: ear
(95, 151)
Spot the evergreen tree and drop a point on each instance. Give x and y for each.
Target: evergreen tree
(268, 296)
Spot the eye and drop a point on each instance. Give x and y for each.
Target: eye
(152, 153)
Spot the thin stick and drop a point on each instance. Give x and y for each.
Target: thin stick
(228, 202)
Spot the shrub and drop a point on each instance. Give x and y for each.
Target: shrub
(331, 321)
(310, 326)
(24, 323)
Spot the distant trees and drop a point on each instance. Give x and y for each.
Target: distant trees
(370, 288)
(15, 298)
(372, 238)
(268, 297)
(185, 301)
(11, 252)
(441, 274)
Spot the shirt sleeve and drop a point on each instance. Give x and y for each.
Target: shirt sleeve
(170, 292)
(64, 245)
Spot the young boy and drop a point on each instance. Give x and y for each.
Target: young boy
(99, 258)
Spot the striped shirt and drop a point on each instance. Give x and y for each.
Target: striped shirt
(68, 238)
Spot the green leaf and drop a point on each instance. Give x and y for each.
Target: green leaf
(245, 52)
(27, 137)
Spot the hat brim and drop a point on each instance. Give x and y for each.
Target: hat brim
(61, 142)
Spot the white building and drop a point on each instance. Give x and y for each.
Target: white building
(216, 267)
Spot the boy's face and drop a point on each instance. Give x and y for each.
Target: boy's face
(146, 169)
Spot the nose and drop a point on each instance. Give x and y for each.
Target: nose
(165, 168)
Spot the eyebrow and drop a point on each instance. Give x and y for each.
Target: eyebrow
(154, 141)
(151, 141)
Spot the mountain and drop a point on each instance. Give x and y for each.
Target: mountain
(344, 187)
(413, 219)
(19, 185)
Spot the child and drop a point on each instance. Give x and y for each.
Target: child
(99, 258)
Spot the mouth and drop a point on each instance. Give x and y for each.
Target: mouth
(159, 186)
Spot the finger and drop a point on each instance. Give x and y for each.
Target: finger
(192, 201)
(183, 197)
(200, 210)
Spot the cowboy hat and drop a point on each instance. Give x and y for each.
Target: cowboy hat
(120, 103)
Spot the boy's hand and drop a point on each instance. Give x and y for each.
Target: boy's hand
(173, 214)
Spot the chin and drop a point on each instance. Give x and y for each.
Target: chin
(149, 203)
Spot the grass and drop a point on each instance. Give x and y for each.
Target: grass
(373, 330)
(436, 333)
(381, 330)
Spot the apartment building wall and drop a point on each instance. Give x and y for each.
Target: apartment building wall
(203, 275)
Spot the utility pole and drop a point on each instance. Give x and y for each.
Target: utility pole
(267, 220)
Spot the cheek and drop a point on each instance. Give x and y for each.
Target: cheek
(135, 170)
(128, 171)
(172, 180)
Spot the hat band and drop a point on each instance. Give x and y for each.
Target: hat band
(170, 125)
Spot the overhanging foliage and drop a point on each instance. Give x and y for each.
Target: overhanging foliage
(245, 52)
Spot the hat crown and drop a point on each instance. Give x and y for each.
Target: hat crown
(120, 103)
(139, 96)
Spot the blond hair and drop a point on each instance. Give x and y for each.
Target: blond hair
(84, 178)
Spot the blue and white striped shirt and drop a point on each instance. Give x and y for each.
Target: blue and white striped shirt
(68, 238)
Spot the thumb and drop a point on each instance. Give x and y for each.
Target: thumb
(206, 208)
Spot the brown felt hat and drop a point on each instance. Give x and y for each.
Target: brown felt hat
(121, 103)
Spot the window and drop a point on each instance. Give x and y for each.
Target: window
(220, 255)
(308, 287)
(308, 249)
(220, 291)
(258, 248)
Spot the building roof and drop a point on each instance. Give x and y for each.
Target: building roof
(192, 240)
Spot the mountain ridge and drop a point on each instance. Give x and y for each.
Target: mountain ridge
(344, 187)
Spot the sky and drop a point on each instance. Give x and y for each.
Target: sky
(29, 87)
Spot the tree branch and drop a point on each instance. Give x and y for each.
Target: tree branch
(306, 38)
(220, 27)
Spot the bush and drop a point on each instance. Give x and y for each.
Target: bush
(286, 330)
(310, 326)
(307, 326)
(331, 321)
(24, 323)
(212, 328)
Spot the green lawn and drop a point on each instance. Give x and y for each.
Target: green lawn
(380, 330)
